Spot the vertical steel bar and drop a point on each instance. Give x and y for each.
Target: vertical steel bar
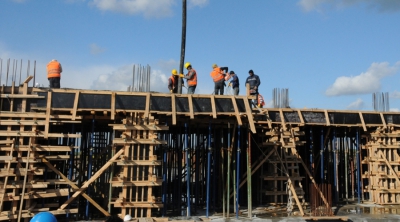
(208, 170)
(358, 165)
(164, 175)
(223, 175)
(188, 213)
(238, 173)
(345, 165)
(228, 192)
(335, 141)
(90, 168)
(8, 69)
(71, 160)
(34, 72)
(20, 73)
(249, 184)
(322, 155)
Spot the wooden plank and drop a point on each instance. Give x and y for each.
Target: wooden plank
(20, 96)
(190, 100)
(122, 141)
(249, 115)
(35, 115)
(328, 122)
(48, 112)
(6, 141)
(147, 109)
(6, 178)
(301, 117)
(282, 119)
(113, 106)
(27, 79)
(173, 105)
(237, 114)
(362, 121)
(214, 110)
(383, 120)
(75, 107)
(92, 179)
(139, 127)
(23, 188)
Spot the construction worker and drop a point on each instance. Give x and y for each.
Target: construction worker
(234, 83)
(191, 77)
(260, 101)
(44, 217)
(218, 75)
(254, 82)
(54, 70)
(173, 81)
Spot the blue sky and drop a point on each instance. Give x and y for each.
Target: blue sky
(330, 54)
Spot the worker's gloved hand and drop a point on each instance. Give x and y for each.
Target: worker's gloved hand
(255, 87)
(259, 105)
(230, 84)
(171, 91)
(181, 75)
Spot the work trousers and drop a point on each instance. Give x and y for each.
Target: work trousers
(191, 89)
(236, 91)
(54, 83)
(219, 87)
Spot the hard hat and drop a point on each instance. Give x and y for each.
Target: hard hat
(174, 72)
(214, 65)
(44, 217)
(127, 217)
(187, 65)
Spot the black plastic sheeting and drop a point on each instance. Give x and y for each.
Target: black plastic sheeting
(129, 102)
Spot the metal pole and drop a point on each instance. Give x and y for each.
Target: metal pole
(208, 170)
(34, 73)
(346, 150)
(238, 173)
(322, 155)
(223, 176)
(71, 160)
(90, 168)
(358, 166)
(334, 165)
(183, 45)
(187, 171)
(20, 73)
(249, 190)
(228, 192)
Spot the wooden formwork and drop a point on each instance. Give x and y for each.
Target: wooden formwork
(138, 164)
(382, 166)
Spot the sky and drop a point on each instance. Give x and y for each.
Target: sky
(328, 54)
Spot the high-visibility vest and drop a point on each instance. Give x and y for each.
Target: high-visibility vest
(54, 69)
(193, 80)
(217, 74)
(172, 81)
(260, 100)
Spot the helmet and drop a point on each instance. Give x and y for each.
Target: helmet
(187, 65)
(174, 72)
(214, 65)
(44, 217)
(127, 217)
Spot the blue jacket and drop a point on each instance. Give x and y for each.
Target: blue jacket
(253, 81)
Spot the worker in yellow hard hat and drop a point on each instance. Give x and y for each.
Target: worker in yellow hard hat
(173, 81)
(191, 77)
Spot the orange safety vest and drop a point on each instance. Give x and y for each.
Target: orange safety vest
(193, 80)
(217, 74)
(260, 100)
(173, 81)
(54, 69)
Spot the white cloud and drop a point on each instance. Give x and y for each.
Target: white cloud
(95, 49)
(199, 3)
(153, 8)
(356, 105)
(380, 5)
(122, 78)
(367, 82)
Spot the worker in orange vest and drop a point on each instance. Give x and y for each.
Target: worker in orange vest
(173, 81)
(191, 77)
(54, 70)
(218, 75)
(260, 101)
